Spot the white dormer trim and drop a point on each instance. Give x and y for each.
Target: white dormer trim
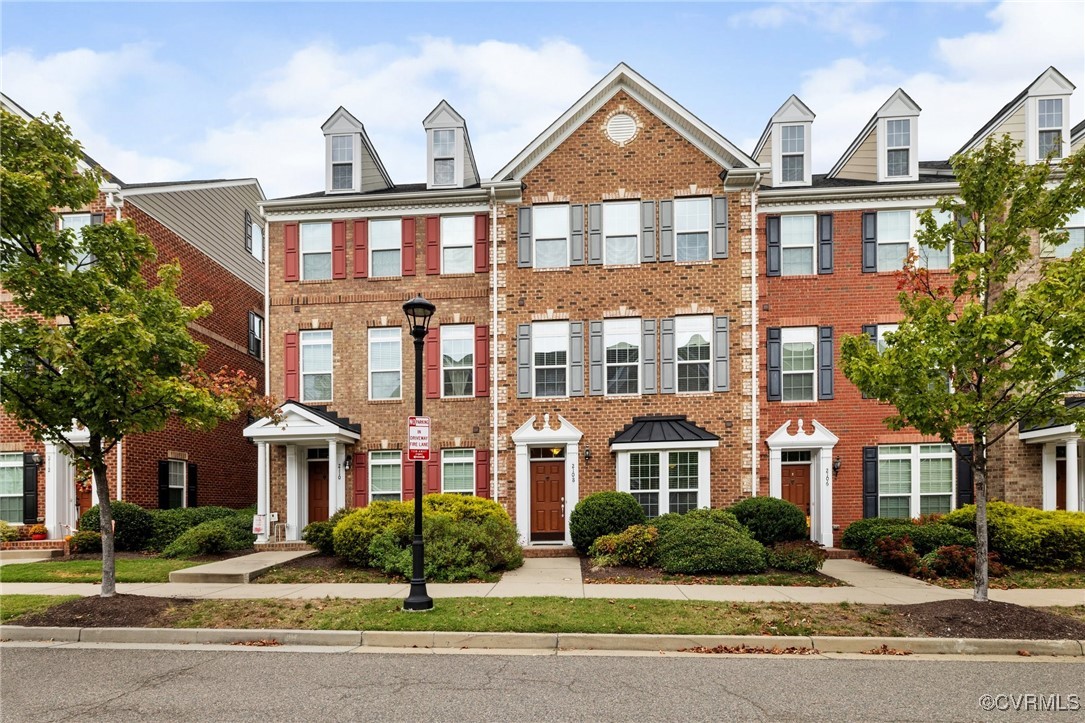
(1051, 85)
(793, 113)
(342, 124)
(445, 118)
(899, 107)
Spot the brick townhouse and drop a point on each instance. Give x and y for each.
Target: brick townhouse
(215, 230)
(829, 247)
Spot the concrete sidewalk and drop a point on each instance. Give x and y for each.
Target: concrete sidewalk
(561, 577)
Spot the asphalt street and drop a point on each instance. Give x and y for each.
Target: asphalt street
(269, 684)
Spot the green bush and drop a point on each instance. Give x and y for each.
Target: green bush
(1027, 537)
(463, 507)
(929, 537)
(718, 516)
(134, 527)
(352, 535)
(85, 541)
(603, 513)
(862, 534)
(635, 546)
(8, 533)
(797, 556)
(224, 534)
(697, 544)
(771, 519)
(319, 534)
(170, 524)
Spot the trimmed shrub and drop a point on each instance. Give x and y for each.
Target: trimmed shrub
(698, 545)
(1027, 537)
(603, 513)
(928, 538)
(135, 526)
(463, 507)
(717, 516)
(771, 519)
(168, 525)
(635, 546)
(216, 536)
(8, 533)
(957, 561)
(353, 534)
(861, 534)
(897, 554)
(85, 541)
(319, 534)
(797, 556)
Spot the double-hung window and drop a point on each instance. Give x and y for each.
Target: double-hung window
(894, 238)
(550, 358)
(385, 240)
(1075, 237)
(256, 335)
(898, 144)
(692, 220)
(257, 248)
(798, 364)
(621, 232)
(385, 363)
(342, 163)
(882, 330)
(177, 483)
(457, 241)
(915, 479)
(621, 340)
(385, 476)
(11, 487)
(934, 258)
(316, 365)
(457, 360)
(798, 239)
(316, 250)
(666, 481)
(444, 157)
(550, 227)
(793, 139)
(458, 471)
(75, 222)
(1049, 127)
(693, 336)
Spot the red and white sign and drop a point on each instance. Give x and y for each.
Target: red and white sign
(418, 439)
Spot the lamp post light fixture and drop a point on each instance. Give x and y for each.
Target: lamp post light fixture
(419, 313)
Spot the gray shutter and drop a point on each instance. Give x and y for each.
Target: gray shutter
(595, 233)
(719, 227)
(722, 348)
(871, 330)
(248, 232)
(595, 358)
(576, 235)
(523, 237)
(97, 219)
(870, 242)
(666, 230)
(647, 231)
(30, 489)
(964, 475)
(576, 359)
(825, 243)
(523, 361)
(825, 362)
(648, 359)
(668, 368)
(772, 246)
(870, 481)
(775, 352)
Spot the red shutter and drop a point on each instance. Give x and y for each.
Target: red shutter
(482, 243)
(432, 357)
(482, 473)
(408, 478)
(433, 244)
(482, 361)
(409, 246)
(361, 480)
(339, 249)
(290, 245)
(290, 366)
(433, 473)
(361, 248)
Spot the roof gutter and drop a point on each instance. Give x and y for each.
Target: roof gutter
(850, 192)
(354, 200)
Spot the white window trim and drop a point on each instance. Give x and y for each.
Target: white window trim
(637, 232)
(813, 245)
(797, 335)
(14, 460)
(372, 370)
(371, 248)
(1076, 222)
(184, 479)
(389, 462)
(624, 456)
(301, 362)
(535, 236)
(457, 331)
(457, 158)
(704, 324)
(913, 226)
(607, 325)
(302, 253)
(915, 495)
(884, 148)
(257, 250)
(356, 155)
(538, 325)
(446, 244)
(778, 154)
(80, 252)
(1032, 142)
(677, 231)
(445, 460)
(256, 323)
(882, 330)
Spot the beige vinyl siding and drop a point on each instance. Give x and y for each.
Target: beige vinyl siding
(765, 156)
(863, 164)
(1077, 145)
(213, 221)
(371, 177)
(1014, 126)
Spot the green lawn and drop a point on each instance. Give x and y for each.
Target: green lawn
(12, 606)
(1031, 579)
(129, 569)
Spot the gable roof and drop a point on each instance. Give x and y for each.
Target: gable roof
(1051, 74)
(899, 99)
(793, 110)
(622, 77)
(343, 117)
(444, 108)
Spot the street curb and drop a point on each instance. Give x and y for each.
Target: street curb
(541, 641)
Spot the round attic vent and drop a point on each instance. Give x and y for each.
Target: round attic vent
(621, 128)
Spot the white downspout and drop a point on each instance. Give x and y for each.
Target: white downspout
(755, 446)
(493, 340)
(120, 469)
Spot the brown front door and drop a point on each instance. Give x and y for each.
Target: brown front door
(1060, 484)
(548, 500)
(796, 485)
(83, 499)
(318, 491)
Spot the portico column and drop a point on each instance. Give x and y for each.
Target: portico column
(776, 485)
(335, 481)
(57, 502)
(262, 489)
(1047, 477)
(293, 494)
(823, 494)
(1073, 474)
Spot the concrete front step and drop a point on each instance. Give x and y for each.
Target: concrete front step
(282, 546)
(550, 551)
(839, 553)
(237, 570)
(29, 553)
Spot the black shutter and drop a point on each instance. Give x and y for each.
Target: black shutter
(248, 232)
(870, 330)
(772, 246)
(870, 242)
(523, 237)
(825, 362)
(825, 243)
(964, 476)
(190, 501)
(870, 481)
(163, 484)
(775, 380)
(30, 489)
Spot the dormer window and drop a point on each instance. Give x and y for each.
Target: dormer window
(1049, 127)
(450, 162)
(444, 158)
(898, 141)
(342, 163)
(785, 144)
(792, 154)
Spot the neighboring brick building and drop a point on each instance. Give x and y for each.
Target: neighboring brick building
(214, 229)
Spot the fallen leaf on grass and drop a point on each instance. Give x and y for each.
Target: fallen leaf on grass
(886, 650)
(759, 649)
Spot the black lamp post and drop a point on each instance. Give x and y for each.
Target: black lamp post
(419, 313)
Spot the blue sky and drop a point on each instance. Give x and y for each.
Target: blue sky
(168, 91)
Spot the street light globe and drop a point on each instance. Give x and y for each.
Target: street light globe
(419, 312)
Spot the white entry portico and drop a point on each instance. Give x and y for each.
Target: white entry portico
(819, 442)
(527, 436)
(1062, 447)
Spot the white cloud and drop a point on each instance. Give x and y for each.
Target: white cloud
(847, 19)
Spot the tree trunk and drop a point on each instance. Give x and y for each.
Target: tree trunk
(105, 514)
(979, 470)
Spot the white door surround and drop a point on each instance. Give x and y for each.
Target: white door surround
(61, 506)
(526, 437)
(819, 443)
(1051, 439)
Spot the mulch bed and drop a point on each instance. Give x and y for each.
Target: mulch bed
(620, 574)
(971, 619)
(119, 611)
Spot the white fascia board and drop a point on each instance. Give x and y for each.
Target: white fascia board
(359, 201)
(143, 191)
(664, 446)
(1049, 434)
(877, 197)
(387, 211)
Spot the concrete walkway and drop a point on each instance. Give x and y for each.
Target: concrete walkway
(560, 576)
(237, 570)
